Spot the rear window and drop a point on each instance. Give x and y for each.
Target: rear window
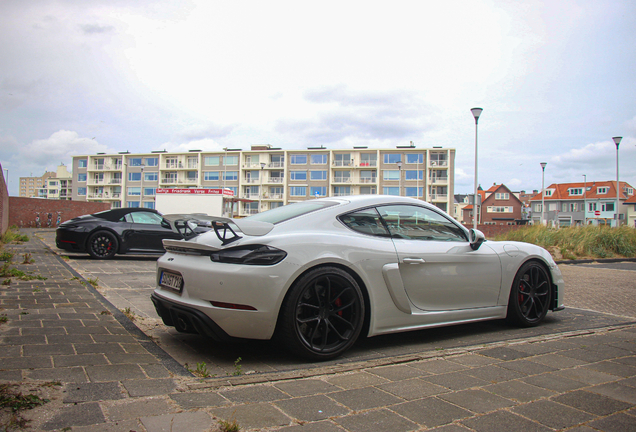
(291, 211)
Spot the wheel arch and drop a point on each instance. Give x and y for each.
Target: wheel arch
(363, 288)
(120, 246)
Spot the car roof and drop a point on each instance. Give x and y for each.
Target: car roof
(115, 215)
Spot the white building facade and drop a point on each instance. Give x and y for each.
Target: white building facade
(265, 177)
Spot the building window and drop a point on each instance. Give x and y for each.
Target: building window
(134, 161)
(391, 191)
(316, 191)
(537, 208)
(414, 158)
(391, 158)
(81, 191)
(152, 161)
(502, 196)
(548, 192)
(413, 191)
(575, 191)
(132, 204)
(368, 159)
(602, 190)
(318, 159)
(82, 163)
(149, 204)
(318, 175)
(298, 159)
(230, 160)
(150, 191)
(211, 160)
(230, 175)
(134, 176)
(367, 190)
(391, 174)
(591, 206)
(413, 175)
(342, 159)
(298, 191)
(81, 177)
(211, 175)
(607, 206)
(499, 209)
(298, 175)
(341, 190)
(134, 191)
(151, 176)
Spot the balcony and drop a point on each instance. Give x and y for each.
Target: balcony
(342, 163)
(276, 164)
(342, 180)
(251, 181)
(368, 164)
(438, 180)
(439, 197)
(276, 196)
(437, 164)
(367, 180)
(273, 180)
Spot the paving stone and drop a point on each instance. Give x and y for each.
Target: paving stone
(69, 339)
(134, 408)
(615, 391)
(413, 389)
(98, 348)
(554, 382)
(473, 359)
(455, 380)
(503, 421)
(478, 401)
(117, 358)
(586, 376)
(125, 426)
(519, 391)
(76, 415)
(80, 360)
(65, 375)
(114, 372)
(556, 361)
(305, 387)
(180, 422)
(631, 360)
(253, 416)
(92, 392)
(11, 375)
(356, 380)
(431, 411)
(494, 373)
(321, 426)
(504, 353)
(43, 331)
(259, 393)
(591, 402)
(156, 371)
(615, 423)
(377, 421)
(191, 400)
(398, 372)
(526, 367)
(612, 368)
(586, 355)
(553, 415)
(364, 398)
(439, 366)
(312, 408)
(149, 387)
(54, 349)
(124, 338)
(450, 428)
(548, 347)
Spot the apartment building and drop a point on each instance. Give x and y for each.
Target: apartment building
(582, 203)
(33, 187)
(265, 177)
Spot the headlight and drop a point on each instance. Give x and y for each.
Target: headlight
(249, 255)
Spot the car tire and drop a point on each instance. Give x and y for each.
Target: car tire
(530, 295)
(102, 245)
(323, 314)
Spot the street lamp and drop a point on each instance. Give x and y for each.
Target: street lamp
(141, 200)
(6, 178)
(543, 221)
(584, 200)
(260, 189)
(617, 141)
(476, 113)
(399, 165)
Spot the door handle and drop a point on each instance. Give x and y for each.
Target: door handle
(413, 261)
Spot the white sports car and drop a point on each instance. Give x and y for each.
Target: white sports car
(321, 272)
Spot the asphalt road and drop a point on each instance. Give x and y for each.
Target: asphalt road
(597, 295)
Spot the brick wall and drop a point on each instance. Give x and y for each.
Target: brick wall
(490, 231)
(24, 211)
(4, 203)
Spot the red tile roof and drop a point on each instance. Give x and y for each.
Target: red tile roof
(560, 191)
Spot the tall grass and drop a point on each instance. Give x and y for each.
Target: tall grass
(578, 242)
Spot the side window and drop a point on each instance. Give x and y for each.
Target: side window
(365, 222)
(145, 218)
(419, 223)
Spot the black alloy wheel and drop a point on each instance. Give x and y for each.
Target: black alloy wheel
(530, 295)
(324, 314)
(102, 245)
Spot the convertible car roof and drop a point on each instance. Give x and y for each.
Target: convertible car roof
(116, 214)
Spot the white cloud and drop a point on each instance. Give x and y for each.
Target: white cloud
(60, 146)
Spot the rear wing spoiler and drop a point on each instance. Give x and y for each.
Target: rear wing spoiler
(185, 224)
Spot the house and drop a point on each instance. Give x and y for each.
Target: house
(581, 203)
(501, 207)
(467, 211)
(631, 211)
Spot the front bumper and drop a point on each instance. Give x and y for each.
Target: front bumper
(70, 240)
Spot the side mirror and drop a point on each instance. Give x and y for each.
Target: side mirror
(476, 238)
(165, 224)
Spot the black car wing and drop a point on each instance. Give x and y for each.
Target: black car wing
(223, 227)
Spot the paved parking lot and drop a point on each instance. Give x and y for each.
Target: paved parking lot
(128, 281)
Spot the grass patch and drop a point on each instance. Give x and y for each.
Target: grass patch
(12, 403)
(578, 242)
(13, 235)
(200, 371)
(27, 259)
(93, 281)
(6, 256)
(6, 271)
(129, 314)
(229, 425)
(3, 319)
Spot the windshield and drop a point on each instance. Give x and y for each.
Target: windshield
(290, 211)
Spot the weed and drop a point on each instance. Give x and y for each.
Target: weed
(16, 401)
(75, 278)
(105, 312)
(200, 371)
(6, 271)
(12, 235)
(229, 425)
(238, 369)
(6, 282)
(3, 319)
(129, 314)
(27, 259)
(6, 256)
(37, 290)
(51, 384)
(24, 313)
(94, 282)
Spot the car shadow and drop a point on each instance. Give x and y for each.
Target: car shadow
(82, 257)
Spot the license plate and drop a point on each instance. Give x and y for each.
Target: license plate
(172, 281)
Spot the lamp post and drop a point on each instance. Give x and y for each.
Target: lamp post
(617, 141)
(543, 221)
(7, 180)
(584, 200)
(260, 189)
(399, 165)
(141, 200)
(476, 113)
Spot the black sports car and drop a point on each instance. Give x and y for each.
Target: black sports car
(117, 231)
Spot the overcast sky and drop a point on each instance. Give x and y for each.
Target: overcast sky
(556, 80)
